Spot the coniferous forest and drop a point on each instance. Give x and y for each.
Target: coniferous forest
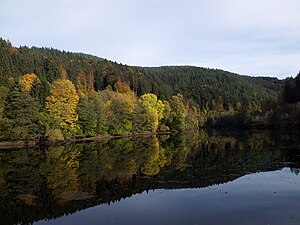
(47, 94)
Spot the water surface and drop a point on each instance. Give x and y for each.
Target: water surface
(197, 178)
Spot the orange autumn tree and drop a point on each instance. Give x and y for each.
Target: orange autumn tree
(62, 104)
(123, 87)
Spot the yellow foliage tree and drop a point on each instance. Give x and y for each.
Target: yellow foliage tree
(62, 104)
(151, 102)
(27, 81)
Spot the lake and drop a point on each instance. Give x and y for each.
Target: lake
(206, 177)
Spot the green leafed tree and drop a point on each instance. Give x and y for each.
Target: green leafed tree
(119, 108)
(191, 120)
(178, 113)
(143, 119)
(92, 115)
(167, 118)
(148, 113)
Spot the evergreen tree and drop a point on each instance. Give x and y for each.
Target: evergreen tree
(3, 94)
(21, 114)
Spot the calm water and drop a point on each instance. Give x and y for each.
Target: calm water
(199, 178)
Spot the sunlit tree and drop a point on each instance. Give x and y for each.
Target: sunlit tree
(28, 80)
(148, 113)
(120, 108)
(62, 104)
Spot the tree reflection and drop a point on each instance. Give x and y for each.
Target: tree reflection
(44, 183)
(156, 159)
(60, 170)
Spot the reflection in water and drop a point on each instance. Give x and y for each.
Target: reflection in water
(48, 183)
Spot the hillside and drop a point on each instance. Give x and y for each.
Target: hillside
(205, 88)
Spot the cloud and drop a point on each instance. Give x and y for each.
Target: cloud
(250, 37)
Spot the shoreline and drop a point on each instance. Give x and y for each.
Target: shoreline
(6, 145)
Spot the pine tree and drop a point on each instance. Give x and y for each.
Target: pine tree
(21, 115)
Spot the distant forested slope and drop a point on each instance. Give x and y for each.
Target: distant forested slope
(205, 88)
(210, 87)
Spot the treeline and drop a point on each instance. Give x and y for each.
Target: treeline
(50, 63)
(51, 94)
(67, 113)
(288, 111)
(283, 112)
(207, 89)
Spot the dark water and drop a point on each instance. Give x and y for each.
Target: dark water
(197, 178)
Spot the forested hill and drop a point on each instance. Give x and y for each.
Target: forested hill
(212, 86)
(205, 88)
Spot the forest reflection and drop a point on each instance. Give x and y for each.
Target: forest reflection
(49, 182)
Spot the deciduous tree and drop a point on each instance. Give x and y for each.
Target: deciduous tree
(62, 104)
(148, 113)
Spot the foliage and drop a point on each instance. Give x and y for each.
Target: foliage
(122, 87)
(83, 95)
(21, 116)
(148, 113)
(62, 104)
(178, 113)
(292, 89)
(199, 86)
(192, 118)
(85, 84)
(166, 118)
(120, 107)
(28, 80)
(92, 116)
(211, 89)
(3, 94)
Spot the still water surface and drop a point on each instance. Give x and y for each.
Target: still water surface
(199, 178)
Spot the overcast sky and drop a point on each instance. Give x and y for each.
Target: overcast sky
(253, 37)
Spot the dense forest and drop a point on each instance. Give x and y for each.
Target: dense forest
(206, 88)
(51, 94)
(212, 88)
